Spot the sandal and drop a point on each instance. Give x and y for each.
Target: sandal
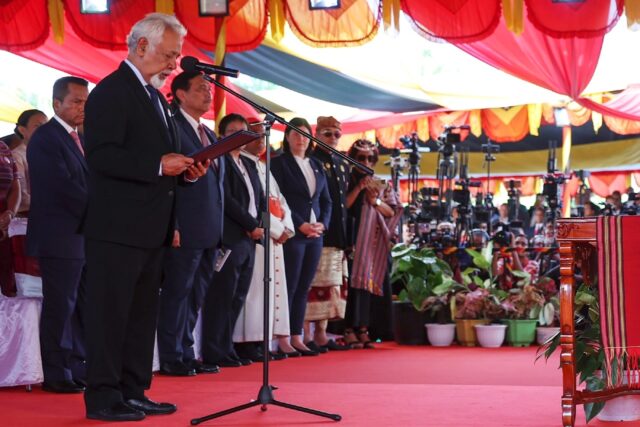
(363, 336)
(351, 340)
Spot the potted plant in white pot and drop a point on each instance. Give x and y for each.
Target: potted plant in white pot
(427, 281)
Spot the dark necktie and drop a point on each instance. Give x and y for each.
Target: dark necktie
(155, 100)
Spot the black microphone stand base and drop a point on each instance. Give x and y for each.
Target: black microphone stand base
(265, 397)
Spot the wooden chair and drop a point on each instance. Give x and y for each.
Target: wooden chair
(578, 242)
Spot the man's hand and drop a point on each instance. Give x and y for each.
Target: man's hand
(257, 233)
(174, 164)
(176, 239)
(197, 170)
(283, 238)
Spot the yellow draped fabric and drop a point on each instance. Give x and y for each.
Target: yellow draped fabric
(56, 17)
(437, 122)
(632, 11)
(475, 121)
(277, 19)
(578, 115)
(165, 6)
(391, 14)
(512, 10)
(534, 112)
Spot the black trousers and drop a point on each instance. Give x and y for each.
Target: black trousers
(301, 258)
(61, 322)
(224, 300)
(123, 283)
(187, 275)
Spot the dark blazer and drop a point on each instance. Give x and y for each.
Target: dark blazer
(129, 202)
(237, 221)
(58, 175)
(200, 206)
(337, 173)
(294, 187)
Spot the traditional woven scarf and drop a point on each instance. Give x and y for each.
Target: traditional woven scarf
(372, 246)
(618, 273)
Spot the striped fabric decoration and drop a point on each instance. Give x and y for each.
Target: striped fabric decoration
(618, 274)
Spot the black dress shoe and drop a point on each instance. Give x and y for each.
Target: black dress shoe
(315, 347)
(203, 368)
(176, 369)
(149, 407)
(62, 387)
(334, 346)
(306, 352)
(81, 382)
(227, 362)
(243, 360)
(278, 356)
(293, 353)
(118, 412)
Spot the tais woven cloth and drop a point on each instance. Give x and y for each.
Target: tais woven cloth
(618, 275)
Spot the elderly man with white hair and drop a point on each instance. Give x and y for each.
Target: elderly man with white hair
(131, 151)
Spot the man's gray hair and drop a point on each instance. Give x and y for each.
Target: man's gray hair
(152, 27)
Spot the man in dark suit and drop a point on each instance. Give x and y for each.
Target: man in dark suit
(132, 152)
(189, 263)
(58, 174)
(243, 202)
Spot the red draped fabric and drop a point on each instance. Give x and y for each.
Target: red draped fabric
(352, 24)
(564, 66)
(456, 21)
(574, 19)
(246, 25)
(109, 30)
(24, 24)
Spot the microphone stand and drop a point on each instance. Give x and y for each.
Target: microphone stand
(265, 394)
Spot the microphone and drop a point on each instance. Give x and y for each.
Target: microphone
(190, 63)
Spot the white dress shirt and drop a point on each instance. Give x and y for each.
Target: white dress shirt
(304, 163)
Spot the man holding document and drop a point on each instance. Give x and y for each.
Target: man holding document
(189, 263)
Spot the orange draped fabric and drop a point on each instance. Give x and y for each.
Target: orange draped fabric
(622, 126)
(24, 24)
(437, 122)
(246, 24)
(389, 136)
(506, 124)
(353, 24)
(457, 21)
(578, 115)
(605, 183)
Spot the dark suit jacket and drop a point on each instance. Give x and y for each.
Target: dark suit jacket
(237, 220)
(337, 173)
(129, 203)
(58, 174)
(294, 187)
(200, 206)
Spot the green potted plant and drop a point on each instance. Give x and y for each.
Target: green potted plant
(522, 308)
(427, 282)
(588, 347)
(477, 300)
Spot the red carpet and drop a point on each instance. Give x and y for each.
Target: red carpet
(388, 386)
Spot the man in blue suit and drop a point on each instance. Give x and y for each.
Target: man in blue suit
(58, 174)
(189, 263)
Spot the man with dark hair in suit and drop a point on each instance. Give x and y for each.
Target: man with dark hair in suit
(189, 263)
(58, 175)
(243, 202)
(132, 152)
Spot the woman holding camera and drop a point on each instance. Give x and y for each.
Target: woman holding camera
(374, 211)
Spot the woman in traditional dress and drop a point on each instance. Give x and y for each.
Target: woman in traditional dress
(9, 203)
(375, 212)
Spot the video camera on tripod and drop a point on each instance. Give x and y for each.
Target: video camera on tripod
(551, 182)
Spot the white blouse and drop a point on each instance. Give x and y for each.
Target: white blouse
(304, 163)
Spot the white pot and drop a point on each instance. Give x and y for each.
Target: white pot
(543, 333)
(440, 335)
(491, 336)
(623, 408)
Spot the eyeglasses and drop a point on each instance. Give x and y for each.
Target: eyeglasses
(369, 159)
(327, 134)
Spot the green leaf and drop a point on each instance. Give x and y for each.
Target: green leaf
(402, 296)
